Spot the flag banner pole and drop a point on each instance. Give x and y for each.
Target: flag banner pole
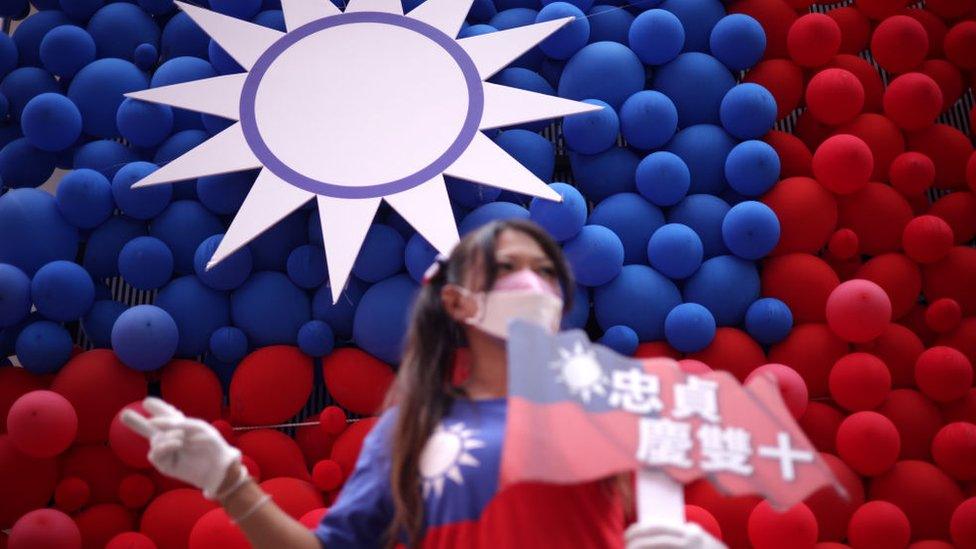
(660, 499)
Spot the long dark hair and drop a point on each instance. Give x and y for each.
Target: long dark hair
(423, 391)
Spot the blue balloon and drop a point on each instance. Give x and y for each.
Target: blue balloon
(639, 298)
(31, 31)
(62, 291)
(698, 17)
(502, 5)
(66, 49)
(596, 255)
(23, 165)
(663, 178)
(738, 41)
(104, 156)
(631, 218)
(306, 266)
(51, 122)
(519, 17)
(157, 7)
(144, 124)
(748, 111)
(228, 344)
(468, 194)
(381, 255)
(215, 124)
(221, 61)
(14, 9)
(494, 211)
(145, 338)
(592, 132)
(34, 232)
(752, 168)
(183, 225)
(609, 24)
(273, 19)
(85, 198)
(146, 263)
(15, 300)
(197, 310)
(601, 175)
(698, 103)
(563, 220)
(607, 71)
(689, 327)
(270, 249)
(380, 322)
(105, 243)
(482, 10)
(419, 255)
(43, 347)
(340, 314)
(174, 147)
(703, 148)
(80, 10)
(98, 323)
(144, 202)
(119, 28)
(725, 285)
(579, 314)
(178, 71)
(769, 320)
(182, 37)
(704, 213)
(145, 56)
(525, 79)
(98, 91)
(24, 84)
(648, 119)
(581, 4)
(533, 151)
(750, 230)
(476, 30)
(8, 55)
(620, 339)
(4, 111)
(241, 9)
(675, 251)
(656, 36)
(270, 309)
(569, 39)
(226, 275)
(315, 338)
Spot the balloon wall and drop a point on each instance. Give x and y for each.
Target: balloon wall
(772, 188)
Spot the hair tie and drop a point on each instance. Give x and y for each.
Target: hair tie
(439, 263)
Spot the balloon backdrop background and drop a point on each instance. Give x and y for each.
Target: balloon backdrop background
(772, 188)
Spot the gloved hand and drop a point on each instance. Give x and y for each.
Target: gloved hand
(184, 448)
(658, 536)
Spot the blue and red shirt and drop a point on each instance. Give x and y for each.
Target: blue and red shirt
(463, 506)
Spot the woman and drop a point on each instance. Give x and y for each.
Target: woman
(427, 474)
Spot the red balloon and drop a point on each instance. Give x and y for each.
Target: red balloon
(811, 130)
(214, 529)
(962, 339)
(732, 513)
(791, 386)
(943, 315)
(947, 77)
(98, 385)
(14, 383)
(899, 44)
(898, 347)
(703, 518)
(963, 409)
(28, 482)
(954, 450)
(769, 529)
(276, 454)
(313, 441)
(962, 525)
(333, 420)
(971, 170)
(71, 494)
(657, 349)
(843, 244)
(879, 525)
(927, 239)
(911, 173)
(935, 28)
(252, 467)
(913, 101)
(131, 447)
(170, 517)
(270, 385)
(794, 156)
(312, 518)
(953, 277)
(924, 493)
(831, 545)
(327, 475)
(807, 215)
(867, 74)
(101, 523)
(811, 350)
(293, 496)
(832, 510)
(820, 422)
(225, 429)
(775, 16)
(692, 366)
(960, 43)
(193, 388)
(868, 442)
(136, 490)
(98, 466)
(878, 214)
(858, 310)
(855, 29)
(879, 9)
(958, 209)
(943, 374)
(949, 149)
(42, 424)
(834, 96)
(898, 276)
(783, 79)
(930, 544)
(843, 163)
(356, 380)
(732, 350)
(45, 529)
(813, 40)
(803, 282)
(917, 420)
(881, 136)
(859, 381)
(131, 540)
(346, 449)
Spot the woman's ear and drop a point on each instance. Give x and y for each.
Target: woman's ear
(458, 304)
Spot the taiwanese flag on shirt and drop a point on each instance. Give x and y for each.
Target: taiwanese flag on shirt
(578, 412)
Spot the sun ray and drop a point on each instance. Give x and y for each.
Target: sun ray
(505, 106)
(220, 96)
(467, 459)
(242, 40)
(428, 209)
(444, 15)
(344, 225)
(486, 163)
(225, 152)
(384, 6)
(494, 51)
(300, 12)
(454, 473)
(269, 200)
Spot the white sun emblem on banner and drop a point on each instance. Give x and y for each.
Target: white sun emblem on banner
(445, 453)
(353, 108)
(580, 372)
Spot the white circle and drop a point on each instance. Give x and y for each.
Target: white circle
(442, 452)
(361, 104)
(581, 371)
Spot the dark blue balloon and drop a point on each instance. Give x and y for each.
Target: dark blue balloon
(241, 9)
(119, 28)
(85, 198)
(81, 10)
(224, 194)
(631, 218)
(509, 4)
(174, 147)
(23, 165)
(698, 17)
(62, 291)
(157, 7)
(34, 232)
(519, 17)
(24, 84)
(419, 255)
(106, 242)
(178, 71)
(15, 300)
(228, 344)
(43, 347)
(750, 230)
(663, 178)
(145, 56)
(725, 285)
(738, 41)
(492, 212)
(703, 148)
(525, 79)
(648, 119)
(4, 111)
(215, 124)
(580, 313)
(98, 323)
(31, 31)
(531, 150)
(620, 339)
(609, 24)
(563, 219)
(273, 19)
(221, 61)
(381, 255)
(748, 111)
(182, 37)
(592, 132)
(704, 213)
(581, 4)
(468, 194)
(270, 249)
(596, 255)
(476, 30)
(270, 309)
(698, 103)
(197, 310)
(51, 122)
(145, 338)
(144, 202)
(8, 55)
(98, 91)
(689, 327)
(482, 10)
(607, 71)
(230, 273)
(601, 175)
(769, 320)
(340, 314)
(306, 266)
(569, 39)
(144, 124)
(315, 338)
(752, 168)
(14, 9)
(146, 263)
(656, 36)
(380, 322)
(104, 156)
(675, 251)
(639, 298)
(66, 49)
(183, 225)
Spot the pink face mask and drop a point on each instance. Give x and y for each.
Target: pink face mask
(522, 295)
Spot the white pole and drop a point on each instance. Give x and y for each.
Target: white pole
(660, 500)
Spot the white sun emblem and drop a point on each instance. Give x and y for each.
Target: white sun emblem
(580, 372)
(357, 107)
(445, 453)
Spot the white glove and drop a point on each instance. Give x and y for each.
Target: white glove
(184, 448)
(659, 536)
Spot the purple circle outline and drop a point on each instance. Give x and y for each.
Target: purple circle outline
(252, 134)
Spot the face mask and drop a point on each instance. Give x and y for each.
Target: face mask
(522, 295)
